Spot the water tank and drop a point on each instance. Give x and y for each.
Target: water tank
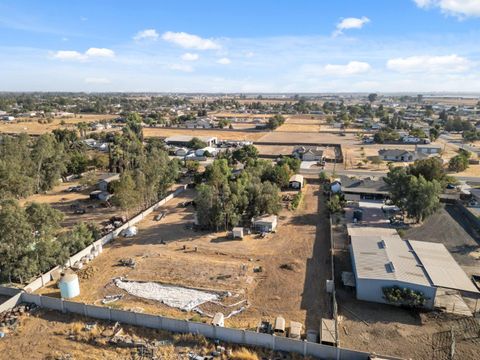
(69, 286)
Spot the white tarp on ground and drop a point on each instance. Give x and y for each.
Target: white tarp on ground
(174, 296)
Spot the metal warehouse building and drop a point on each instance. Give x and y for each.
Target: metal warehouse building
(386, 260)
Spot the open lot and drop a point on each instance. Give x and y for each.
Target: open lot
(220, 134)
(308, 137)
(213, 262)
(66, 202)
(33, 127)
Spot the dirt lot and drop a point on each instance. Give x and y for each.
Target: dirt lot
(33, 127)
(449, 227)
(296, 291)
(220, 134)
(309, 137)
(61, 200)
(52, 335)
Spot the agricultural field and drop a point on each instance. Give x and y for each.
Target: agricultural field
(31, 126)
(254, 278)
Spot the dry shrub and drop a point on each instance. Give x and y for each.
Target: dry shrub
(77, 328)
(167, 353)
(244, 354)
(190, 339)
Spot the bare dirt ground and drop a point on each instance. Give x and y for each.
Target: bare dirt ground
(33, 127)
(309, 137)
(450, 228)
(220, 264)
(49, 335)
(222, 135)
(61, 200)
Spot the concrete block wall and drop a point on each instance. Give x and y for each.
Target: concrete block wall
(40, 282)
(11, 303)
(235, 336)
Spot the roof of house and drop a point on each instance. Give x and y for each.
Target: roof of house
(356, 230)
(394, 152)
(314, 150)
(297, 178)
(441, 267)
(429, 146)
(109, 177)
(367, 185)
(265, 218)
(387, 258)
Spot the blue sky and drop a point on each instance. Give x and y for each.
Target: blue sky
(240, 46)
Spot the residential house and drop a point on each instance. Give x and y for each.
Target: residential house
(428, 149)
(397, 155)
(308, 153)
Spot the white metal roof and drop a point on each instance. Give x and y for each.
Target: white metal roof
(387, 258)
(441, 267)
(356, 230)
(297, 178)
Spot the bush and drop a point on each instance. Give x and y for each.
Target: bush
(396, 295)
(296, 201)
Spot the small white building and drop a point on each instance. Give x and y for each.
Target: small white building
(265, 223)
(296, 181)
(428, 149)
(237, 232)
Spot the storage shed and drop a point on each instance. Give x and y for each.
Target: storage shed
(237, 232)
(328, 334)
(295, 331)
(218, 320)
(296, 181)
(265, 223)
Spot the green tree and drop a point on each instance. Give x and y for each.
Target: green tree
(244, 153)
(125, 194)
(196, 144)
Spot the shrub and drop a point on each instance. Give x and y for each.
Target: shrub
(296, 201)
(396, 295)
(244, 354)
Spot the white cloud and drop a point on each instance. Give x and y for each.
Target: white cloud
(430, 64)
(78, 56)
(68, 55)
(351, 23)
(190, 57)
(181, 67)
(190, 41)
(99, 52)
(147, 34)
(460, 8)
(97, 80)
(352, 68)
(224, 61)
(249, 54)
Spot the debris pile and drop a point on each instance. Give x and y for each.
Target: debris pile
(129, 262)
(9, 319)
(87, 273)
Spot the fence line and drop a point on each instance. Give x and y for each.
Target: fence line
(237, 336)
(43, 279)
